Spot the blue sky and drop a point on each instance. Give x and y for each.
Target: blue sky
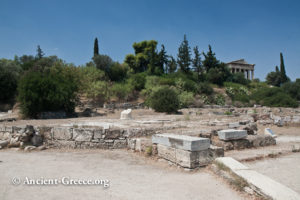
(256, 30)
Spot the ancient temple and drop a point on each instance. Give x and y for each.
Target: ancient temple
(242, 66)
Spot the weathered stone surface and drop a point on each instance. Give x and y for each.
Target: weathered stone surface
(215, 151)
(61, 144)
(46, 132)
(112, 133)
(82, 134)
(181, 142)
(62, 133)
(126, 114)
(261, 140)
(234, 125)
(29, 148)
(37, 140)
(232, 134)
(188, 159)
(5, 135)
(142, 143)
(3, 144)
(118, 144)
(131, 143)
(98, 133)
(269, 132)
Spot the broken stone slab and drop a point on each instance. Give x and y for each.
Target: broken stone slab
(184, 158)
(141, 144)
(215, 151)
(182, 142)
(268, 131)
(234, 125)
(4, 143)
(126, 114)
(232, 134)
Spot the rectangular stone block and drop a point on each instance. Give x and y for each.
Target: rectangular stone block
(62, 133)
(83, 134)
(184, 158)
(234, 125)
(232, 134)
(182, 142)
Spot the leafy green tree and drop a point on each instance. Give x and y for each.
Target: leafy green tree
(184, 56)
(117, 72)
(218, 75)
(274, 78)
(26, 61)
(53, 89)
(283, 75)
(40, 53)
(103, 62)
(210, 61)
(145, 57)
(197, 64)
(96, 48)
(9, 75)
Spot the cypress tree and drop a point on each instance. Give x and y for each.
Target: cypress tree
(184, 56)
(162, 59)
(210, 61)
(96, 48)
(40, 53)
(197, 65)
(276, 69)
(283, 76)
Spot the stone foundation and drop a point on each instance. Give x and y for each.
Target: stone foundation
(73, 137)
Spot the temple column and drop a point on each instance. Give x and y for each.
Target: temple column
(252, 74)
(247, 71)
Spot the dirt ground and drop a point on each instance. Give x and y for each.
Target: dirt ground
(131, 176)
(284, 169)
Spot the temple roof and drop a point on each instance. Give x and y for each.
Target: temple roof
(240, 62)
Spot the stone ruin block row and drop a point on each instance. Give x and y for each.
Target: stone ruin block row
(232, 134)
(182, 142)
(185, 151)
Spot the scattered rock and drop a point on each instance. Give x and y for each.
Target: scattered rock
(41, 148)
(29, 148)
(37, 140)
(3, 144)
(296, 148)
(126, 114)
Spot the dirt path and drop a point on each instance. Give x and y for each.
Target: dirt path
(131, 177)
(284, 169)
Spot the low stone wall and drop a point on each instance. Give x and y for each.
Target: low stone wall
(72, 137)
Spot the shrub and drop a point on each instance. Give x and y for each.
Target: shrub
(204, 88)
(293, 89)
(186, 99)
(9, 75)
(117, 72)
(239, 78)
(185, 85)
(237, 92)
(164, 100)
(218, 75)
(273, 97)
(137, 81)
(53, 89)
(220, 99)
(103, 62)
(121, 91)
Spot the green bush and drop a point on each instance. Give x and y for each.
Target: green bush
(117, 72)
(53, 89)
(121, 91)
(204, 88)
(137, 81)
(9, 75)
(164, 100)
(273, 97)
(237, 92)
(220, 100)
(185, 85)
(186, 99)
(239, 78)
(292, 88)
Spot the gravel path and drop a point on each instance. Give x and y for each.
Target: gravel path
(131, 177)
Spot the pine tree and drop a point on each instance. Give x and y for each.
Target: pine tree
(40, 53)
(197, 64)
(96, 48)
(283, 76)
(184, 56)
(162, 59)
(210, 60)
(172, 65)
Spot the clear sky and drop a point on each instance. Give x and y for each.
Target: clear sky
(256, 30)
